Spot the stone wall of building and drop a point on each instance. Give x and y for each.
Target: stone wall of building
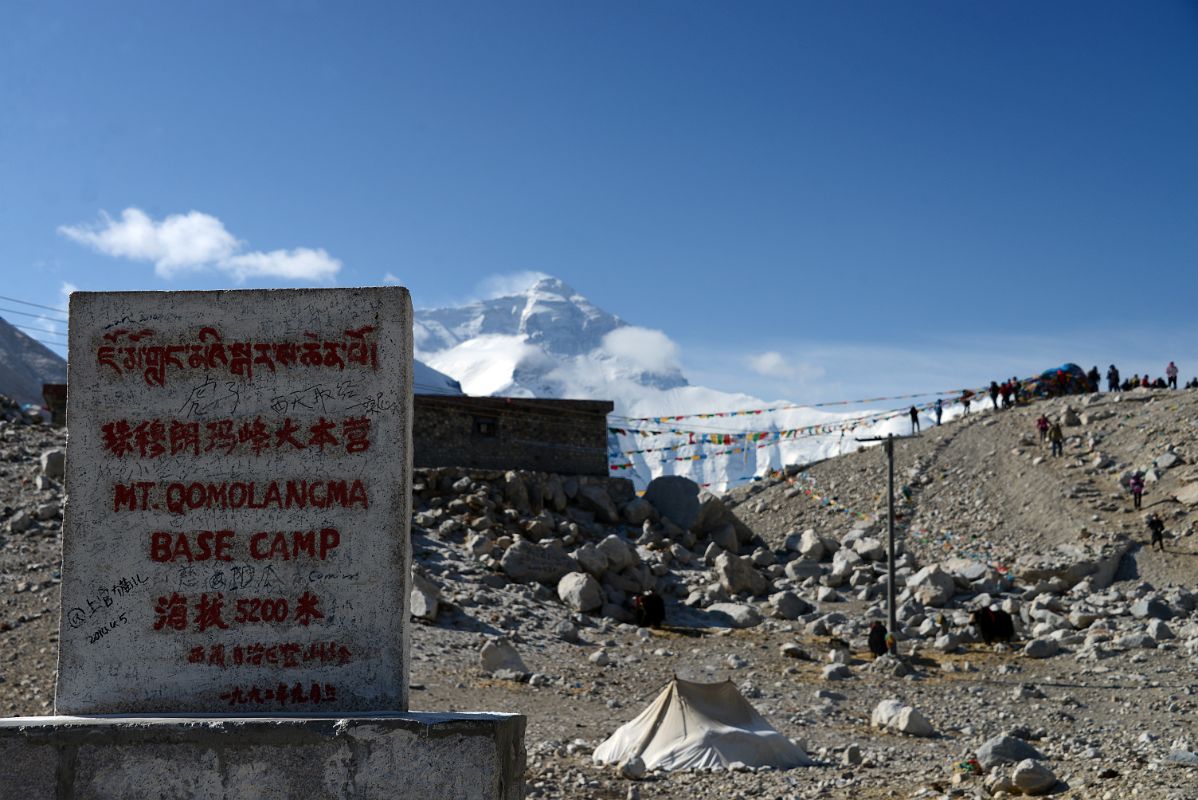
(567, 437)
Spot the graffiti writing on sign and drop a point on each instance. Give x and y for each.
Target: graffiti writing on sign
(104, 630)
(128, 352)
(105, 597)
(237, 578)
(313, 398)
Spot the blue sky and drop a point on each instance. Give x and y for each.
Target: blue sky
(852, 196)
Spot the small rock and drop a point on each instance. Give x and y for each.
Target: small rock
(633, 768)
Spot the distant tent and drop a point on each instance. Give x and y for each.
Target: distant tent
(695, 725)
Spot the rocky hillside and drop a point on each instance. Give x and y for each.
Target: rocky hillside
(523, 580)
(25, 365)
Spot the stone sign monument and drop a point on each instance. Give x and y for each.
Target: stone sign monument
(236, 544)
(239, 479)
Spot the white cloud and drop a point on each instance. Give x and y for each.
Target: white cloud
(195, 242)
(64, 292)
(644, 348)
(509, 284)
(302, 264)
(771, 365)
(391, 280)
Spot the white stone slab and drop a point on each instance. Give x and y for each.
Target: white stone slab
(412, 756)
(238, 471)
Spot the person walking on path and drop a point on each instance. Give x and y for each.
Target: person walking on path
(1156, 527)
(994, 394)
(939, 409)
(1056, 437)
(1171, 374)
(966, 399)
(914, 412)
(1112, 379)
(1136, 486)
(1092, 376)
(1042, 426)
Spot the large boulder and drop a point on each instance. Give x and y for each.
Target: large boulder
(932, 586)
(580, 591)
(596, 500)
(788, 605)
(498, 654)
(1041, 648)
(1005, 750)
(591, 559)
(637, 511)
(724, 537)
(675, 497)
(870, 548)
(425, 596)
(54, 463)
(811, 546)
(893, 715)
(619, 554)
(1072, 563)
(737, 574)
(801, 569)
(1032, 777)
(739, 615)
(525, 562)
(1150, 607)
(515, 492)
(713, 514)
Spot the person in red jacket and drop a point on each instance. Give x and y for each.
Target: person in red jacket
(1136, 486)
(1042, 426)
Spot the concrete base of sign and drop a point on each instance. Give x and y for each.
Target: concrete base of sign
(413, 755)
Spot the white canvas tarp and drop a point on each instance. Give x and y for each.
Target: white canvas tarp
(695, 725)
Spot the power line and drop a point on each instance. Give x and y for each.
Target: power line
(27, 314)
(27, 303)
(43, 330)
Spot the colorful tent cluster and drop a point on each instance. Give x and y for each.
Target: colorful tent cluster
(1065, 379)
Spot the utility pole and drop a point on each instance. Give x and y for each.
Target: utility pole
(891, 594)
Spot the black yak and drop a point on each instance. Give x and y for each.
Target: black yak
(649, 610)
(994, 624)
(877, 639)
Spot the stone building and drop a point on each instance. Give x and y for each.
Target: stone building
(568, 437)
(55, 397)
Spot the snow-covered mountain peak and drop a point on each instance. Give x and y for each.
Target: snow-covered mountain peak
(549, 313)
(545, 341)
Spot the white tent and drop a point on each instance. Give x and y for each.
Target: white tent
(693, 725)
